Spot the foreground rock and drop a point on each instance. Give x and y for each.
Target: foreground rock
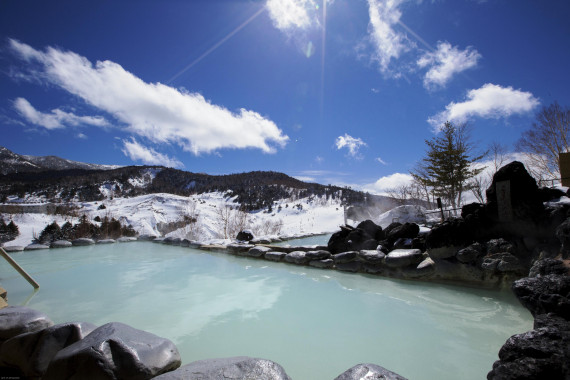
(116, 351)
(236, 368)
(32, 352)
(16, 320)
(369, 371)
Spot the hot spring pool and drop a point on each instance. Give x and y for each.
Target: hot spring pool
(315, 323)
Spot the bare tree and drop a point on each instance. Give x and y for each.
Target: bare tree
(548, 137)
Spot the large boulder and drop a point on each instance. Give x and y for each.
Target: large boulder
(16, 320)
(115, 351)
(404, 231)
(364, 236)
(548, 266)
(545, 294)
(236, 368)
(400, 258)
(368, 371)
(297, 257)
(372, 229)
(257, 251)
(318, 255)
(344, 257)
(245, 235)
(32, 352)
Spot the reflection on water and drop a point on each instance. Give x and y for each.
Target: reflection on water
(316, 323)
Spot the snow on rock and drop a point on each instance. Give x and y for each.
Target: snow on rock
(402, 214)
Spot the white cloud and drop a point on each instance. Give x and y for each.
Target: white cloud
(56, 119)
(319, 159)
(289, 14)
(387, 42)
(380, 160)
(305, 179)
(489, 101)
(154, 111)
(81, 136)
(445, 62)
(351, 143)
(138, 152)
(387, 183)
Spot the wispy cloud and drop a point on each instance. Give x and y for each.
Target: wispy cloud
(489, 101)
(291, 14)
(388, 43)
(56, 119)
(380, 160)
(445, 62)
(353, 144)
(137, 152)
(160, 113)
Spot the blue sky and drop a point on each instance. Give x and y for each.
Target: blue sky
(343, 92)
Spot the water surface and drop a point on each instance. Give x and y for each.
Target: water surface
(315, 323)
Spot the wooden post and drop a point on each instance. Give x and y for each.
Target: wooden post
(19, 268)
(440, 206)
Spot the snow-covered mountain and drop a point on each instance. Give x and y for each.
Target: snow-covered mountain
(11, 162)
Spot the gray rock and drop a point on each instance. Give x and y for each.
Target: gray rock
(60, 244)
(82, 242)
(35, 247)
(16, 320)
(547, 266)
(115, 351)
(32, 352)
(500, 245)
(368, 372)
(501, 262)
(322, 264)
(371, 257)
(13, 248)
(374, 268)
(468, 255)
(275, 256)
(352, 266)
(344, 257)
(157, 240)
(400, 258)
(258, 251)
(296, 257)
(443, 252)
(260, 241)
(238, 248)
(147, 237)
(318, 255)
(172, 241)
(126, 239)
(425, 268)
(545, 294)
(236, 368)
(106, 241)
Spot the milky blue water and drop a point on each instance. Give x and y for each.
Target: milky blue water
(315, 323)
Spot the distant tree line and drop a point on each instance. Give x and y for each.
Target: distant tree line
(109, 228)
(8, 231)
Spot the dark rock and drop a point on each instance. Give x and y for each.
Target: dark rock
(344, 257)
(472, 209)
(390, 227)
(371, 256)
(372, 229)
(546, 194)
(470, 254)
(403, 243)
(545, 294)
(245, 236)
(453, 232)
(403, 257)
(373, 268)
(172, 241)
(562, 233)
(257, 251)
(502, 262)
(405, 231)
(238, 368)
(443, 252)
(32, 352)
(16, 320)
(542, 353)
(115, 351)
(499, 246)
(368, 371)
(147, 237)
(547, 266)
(322, 264)
(275, 256)
(318, 255)
(238, 248)
(352, 266)
(337, 242)
(296, 257)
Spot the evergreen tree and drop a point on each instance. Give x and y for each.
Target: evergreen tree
(446, 169)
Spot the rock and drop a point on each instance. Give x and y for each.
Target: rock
(352, 266)
(371, 256)
(147, 237)
(502, 262)
(35, 247)
(13, 248)
(403, 243)
(547, 266)
(372, 229)
(116, 351)
(245, 235)
(16, 320)
(157, 240)
(106, 241)
(451, 233)
(425, 268)
(400, 258)
(296, 257)
(337, 242)
(390, 227)
(82, 242)
(3, 303)
(238, 368)
(406, 231)
(32, 352)
(545, 294)
(127, 239)
(260, 241)
(238, 248)
(500, 245)
(318, 255)
(275, 256)
(257, 251)
(542, 353)
(373, 268)
(368, 372)
(60, 244)
(470, 254)
(344, 257)
(443, 252)
(172, 241)
(322, 264)
(562, 233)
